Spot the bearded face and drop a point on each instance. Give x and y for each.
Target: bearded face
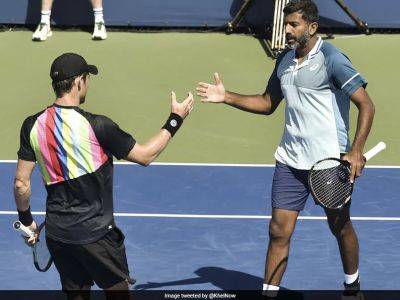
(298, 31)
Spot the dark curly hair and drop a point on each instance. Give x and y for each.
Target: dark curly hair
(307, 8)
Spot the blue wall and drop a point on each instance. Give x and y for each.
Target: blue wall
(184, 13)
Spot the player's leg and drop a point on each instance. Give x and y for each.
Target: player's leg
(342, 228)
(43, 30)
(47, 4)
(105, 260)
(82, 294)
(75, 281)
(99, 32)
(119, 291)
(281, 228)
(289, 195)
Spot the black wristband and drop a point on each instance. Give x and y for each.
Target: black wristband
(25, 217)
(173, 123)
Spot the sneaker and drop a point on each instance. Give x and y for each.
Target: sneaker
(42, 32)
(352, 289)
(99, 32)
(354, 286)
(268, 294)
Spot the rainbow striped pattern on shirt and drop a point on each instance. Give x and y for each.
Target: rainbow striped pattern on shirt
(65, 145)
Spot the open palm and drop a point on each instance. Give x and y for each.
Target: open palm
(214, 93)
(184, 108)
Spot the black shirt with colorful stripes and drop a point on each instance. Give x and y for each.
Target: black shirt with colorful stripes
(74, 150)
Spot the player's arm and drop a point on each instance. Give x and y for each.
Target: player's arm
(264, 104)
(146, 153)
(22, 193)
(345, 78)
(366, 111)
(22, 182)
(259, 104)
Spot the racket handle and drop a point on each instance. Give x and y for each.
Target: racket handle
(18, 226)
(374, 151)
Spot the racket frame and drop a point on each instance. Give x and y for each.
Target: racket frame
(367, 156)
(26, 232)
(343, 163)
(34, 252)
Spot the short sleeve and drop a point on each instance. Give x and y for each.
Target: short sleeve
(25, 151)
(343, 74)
(112, 138)
(274, 83)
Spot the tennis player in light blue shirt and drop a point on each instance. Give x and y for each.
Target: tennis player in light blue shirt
(317, 82)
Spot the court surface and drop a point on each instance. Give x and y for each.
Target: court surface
(202, 226)
(205, 227)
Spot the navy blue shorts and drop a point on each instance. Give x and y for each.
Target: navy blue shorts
(290, 188)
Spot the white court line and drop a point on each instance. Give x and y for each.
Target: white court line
(201, 164)
(217, 165)
(349, 36)
(204, 216)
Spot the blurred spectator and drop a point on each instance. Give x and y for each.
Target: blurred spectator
(43, 31)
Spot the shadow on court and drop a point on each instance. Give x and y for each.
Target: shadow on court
(219, 277)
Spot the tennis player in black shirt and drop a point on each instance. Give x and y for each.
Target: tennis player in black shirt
(75, 150)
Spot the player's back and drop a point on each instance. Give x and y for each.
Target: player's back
(69, 146)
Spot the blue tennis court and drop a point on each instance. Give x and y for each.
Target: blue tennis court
(195, 227)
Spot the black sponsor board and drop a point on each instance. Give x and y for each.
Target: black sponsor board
(214, 295)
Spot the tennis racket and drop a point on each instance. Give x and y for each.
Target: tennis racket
(329, 179)
(41, 255)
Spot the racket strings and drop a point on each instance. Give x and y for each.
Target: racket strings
(330, 183)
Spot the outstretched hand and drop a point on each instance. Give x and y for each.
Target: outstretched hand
(184, 108)
(214, 93)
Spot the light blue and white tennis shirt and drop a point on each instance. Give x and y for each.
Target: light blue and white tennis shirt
(317, 94)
